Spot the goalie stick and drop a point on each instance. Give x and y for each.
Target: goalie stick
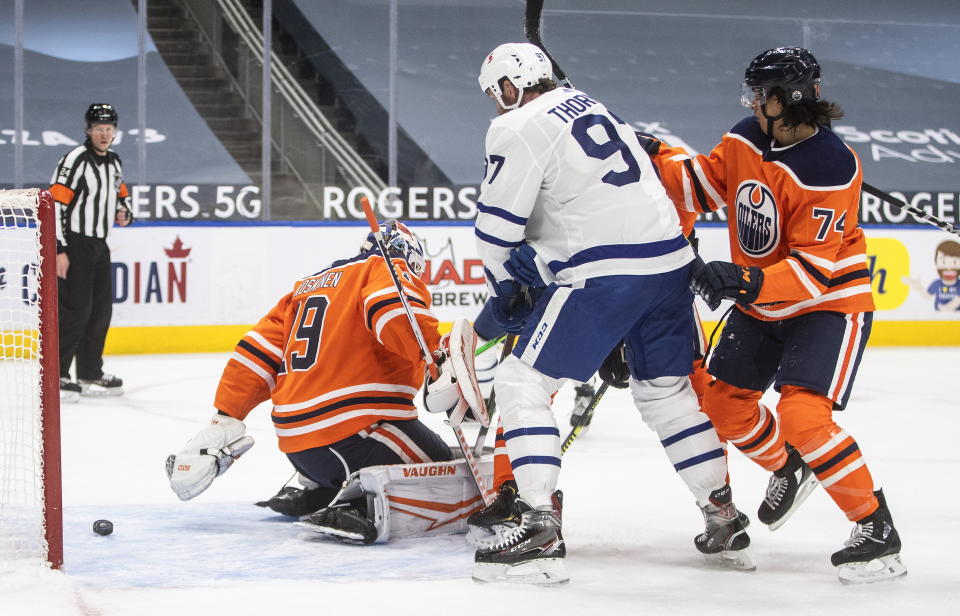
(472, 463)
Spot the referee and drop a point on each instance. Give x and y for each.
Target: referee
(90, 193)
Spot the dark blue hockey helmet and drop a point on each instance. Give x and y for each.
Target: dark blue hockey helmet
(400, 242)
(792, 69)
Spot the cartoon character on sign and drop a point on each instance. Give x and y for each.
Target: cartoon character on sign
(944, 291)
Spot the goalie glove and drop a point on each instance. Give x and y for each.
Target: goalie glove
(207, 456)
(456, 391)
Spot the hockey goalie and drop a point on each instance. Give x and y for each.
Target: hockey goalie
(339, 361)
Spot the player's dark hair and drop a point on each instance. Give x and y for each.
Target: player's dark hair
(814, 113)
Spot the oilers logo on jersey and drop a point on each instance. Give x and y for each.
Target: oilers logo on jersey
(758, 226)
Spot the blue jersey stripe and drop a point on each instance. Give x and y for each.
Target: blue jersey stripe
(679, 436)
(501, 213)
(537, 431)
(620, 251)
(496, 241)
(710, 455)
(514, 464)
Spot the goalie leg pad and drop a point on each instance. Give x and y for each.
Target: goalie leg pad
(414, 500)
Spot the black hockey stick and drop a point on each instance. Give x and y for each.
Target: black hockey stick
(584, 419)
(531, 28)
(918, 212)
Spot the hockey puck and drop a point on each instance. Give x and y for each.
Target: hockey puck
(103, 527)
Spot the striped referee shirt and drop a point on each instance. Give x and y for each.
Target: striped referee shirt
(89, 190)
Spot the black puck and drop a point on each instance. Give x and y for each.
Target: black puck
(103, 527)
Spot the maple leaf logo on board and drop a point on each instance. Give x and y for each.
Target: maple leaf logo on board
(177, 251)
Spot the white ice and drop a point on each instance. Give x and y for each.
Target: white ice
(628, 520)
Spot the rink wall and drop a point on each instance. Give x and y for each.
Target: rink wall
(198, 288)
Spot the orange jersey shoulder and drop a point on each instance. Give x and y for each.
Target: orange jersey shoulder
(791, 211)
(335, 355)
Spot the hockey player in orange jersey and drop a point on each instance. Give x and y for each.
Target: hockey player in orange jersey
(802, 290)
(339, 361)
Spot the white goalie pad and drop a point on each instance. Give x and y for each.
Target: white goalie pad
(463, 343)
(418, 500)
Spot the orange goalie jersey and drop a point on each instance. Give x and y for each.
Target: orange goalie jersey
(336, 355)
(791, 211)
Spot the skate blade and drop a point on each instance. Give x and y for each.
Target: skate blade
(69, 398)
(95, 391)
(541, 572)
(738, 560)
(806, 488)
(877, 570)
(336, 533)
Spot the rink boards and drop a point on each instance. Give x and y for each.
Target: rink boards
(199, 288)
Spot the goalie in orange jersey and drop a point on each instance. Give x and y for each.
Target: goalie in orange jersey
(803, 298)
(338, 359)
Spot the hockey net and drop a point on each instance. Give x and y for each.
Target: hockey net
(30, 504)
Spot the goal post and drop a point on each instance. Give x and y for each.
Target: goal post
(31, 518)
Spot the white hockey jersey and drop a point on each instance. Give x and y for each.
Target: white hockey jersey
(568, 177)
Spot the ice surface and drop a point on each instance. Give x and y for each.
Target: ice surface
(629, 521)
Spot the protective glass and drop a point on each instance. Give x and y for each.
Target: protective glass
(752, 95)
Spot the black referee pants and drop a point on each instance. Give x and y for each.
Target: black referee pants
(86, 305)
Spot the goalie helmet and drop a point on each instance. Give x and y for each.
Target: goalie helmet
(400, 242)
(792, 69)
(101, 113)
(524, 64)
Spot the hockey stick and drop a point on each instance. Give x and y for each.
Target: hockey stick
(427, 355)
(531, 28)
(488, 344)
(584, 419)
(916, 211)
(508, 343)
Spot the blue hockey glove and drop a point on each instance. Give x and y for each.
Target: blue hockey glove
(717, 280)
(511, 307)
(523, 267)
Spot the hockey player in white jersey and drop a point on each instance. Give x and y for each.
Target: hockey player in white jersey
(582, 249)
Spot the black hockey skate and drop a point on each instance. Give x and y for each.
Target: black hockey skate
(345, 521)
(584, 393)
(297, 502)
(788, 488)
(872, 553)
(489, 525)
(531, 553)
(725, 536)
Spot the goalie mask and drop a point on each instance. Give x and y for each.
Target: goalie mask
(400, 242)
(523, 64)
(793, 70)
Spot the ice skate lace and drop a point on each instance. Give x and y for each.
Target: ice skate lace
(861, 534)
(775, 491)
(510, 537)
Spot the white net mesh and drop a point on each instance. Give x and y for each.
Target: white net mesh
(21, 444)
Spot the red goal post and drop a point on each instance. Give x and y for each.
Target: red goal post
(31, 519)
